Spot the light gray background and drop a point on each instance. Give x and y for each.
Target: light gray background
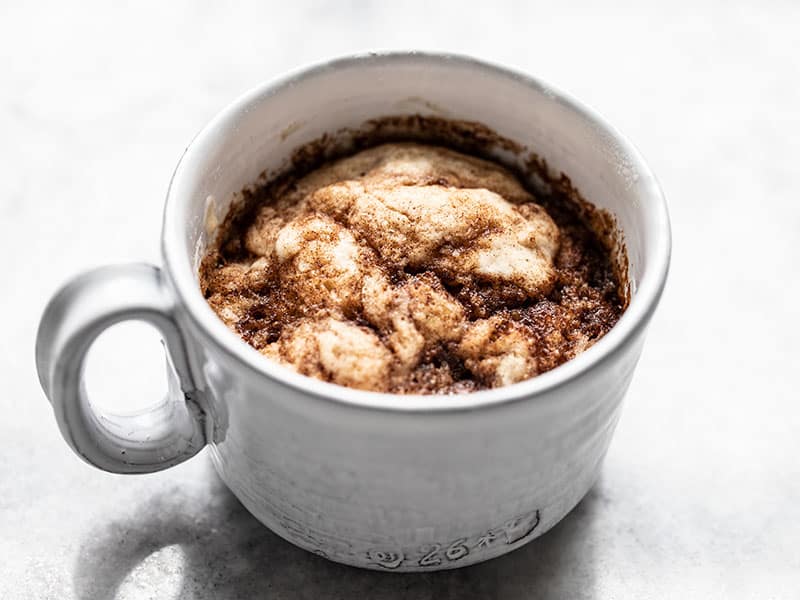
(700, 494)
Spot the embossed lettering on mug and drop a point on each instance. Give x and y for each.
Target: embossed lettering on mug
(389, 559)
(436, 554)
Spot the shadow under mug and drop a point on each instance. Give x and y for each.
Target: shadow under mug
(382, 481)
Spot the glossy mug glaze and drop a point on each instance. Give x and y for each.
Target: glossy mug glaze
(400, 483)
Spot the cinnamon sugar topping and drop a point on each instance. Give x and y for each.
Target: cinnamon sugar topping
(412, 268)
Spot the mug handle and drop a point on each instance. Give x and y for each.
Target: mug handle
(151, 440)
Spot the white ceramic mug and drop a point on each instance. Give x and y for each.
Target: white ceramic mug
(402, 483)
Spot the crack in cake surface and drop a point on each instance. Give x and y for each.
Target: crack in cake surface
(414, 269)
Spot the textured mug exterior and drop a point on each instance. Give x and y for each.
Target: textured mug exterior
(412, 491)
(397, 483)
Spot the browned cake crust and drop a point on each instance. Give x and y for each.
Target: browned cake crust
(412, 268)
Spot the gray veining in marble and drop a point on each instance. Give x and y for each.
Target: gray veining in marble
(700, 496)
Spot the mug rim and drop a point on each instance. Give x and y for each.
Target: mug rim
(643, 302)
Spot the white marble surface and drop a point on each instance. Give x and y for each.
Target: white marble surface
(700, 496)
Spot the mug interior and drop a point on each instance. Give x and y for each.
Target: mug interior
(259, 132)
